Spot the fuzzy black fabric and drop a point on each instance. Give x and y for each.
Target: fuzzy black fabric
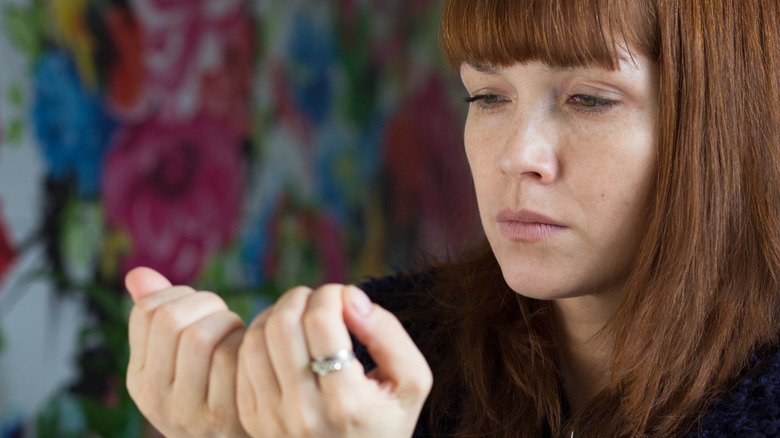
(751, 409)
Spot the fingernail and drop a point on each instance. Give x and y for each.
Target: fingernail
(360, 301)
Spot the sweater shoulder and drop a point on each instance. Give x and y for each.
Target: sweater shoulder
(752, 407)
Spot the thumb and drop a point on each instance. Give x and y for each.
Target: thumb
(142, 282)
(397, 357)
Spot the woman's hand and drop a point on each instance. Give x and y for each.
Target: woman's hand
(279, 395)
(183, 358)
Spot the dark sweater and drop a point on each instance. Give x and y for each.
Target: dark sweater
(751, 409)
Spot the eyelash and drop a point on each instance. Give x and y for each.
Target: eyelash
(480, 100)
(599, 104)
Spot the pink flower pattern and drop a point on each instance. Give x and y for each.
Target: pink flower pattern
(186, 41)
(177, 190)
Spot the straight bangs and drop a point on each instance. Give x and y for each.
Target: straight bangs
(559, 33)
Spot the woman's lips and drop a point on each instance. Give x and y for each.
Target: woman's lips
(527, 226)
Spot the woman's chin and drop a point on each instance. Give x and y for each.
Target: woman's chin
(538, 290)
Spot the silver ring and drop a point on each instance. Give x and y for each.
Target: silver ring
(336, 362)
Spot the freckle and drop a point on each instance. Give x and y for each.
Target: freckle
(603, 195)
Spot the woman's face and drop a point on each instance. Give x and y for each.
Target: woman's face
(562, 160)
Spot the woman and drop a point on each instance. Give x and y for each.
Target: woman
(626, 160)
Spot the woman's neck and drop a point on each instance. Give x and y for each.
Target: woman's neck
(587, 350)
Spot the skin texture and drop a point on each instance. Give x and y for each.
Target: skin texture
(576, 145)
(211, 377)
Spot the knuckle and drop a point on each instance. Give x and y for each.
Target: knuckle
(262, 319)
(144, 306)
(420, 386)
(169, 316)
(153, 302)
(329, 292)
(299, 290)
(318, 320)
(213, 299)
(427, 383)
(198, 338)
(293, 297)
(184, 289)
(283, 322)
(330, 288)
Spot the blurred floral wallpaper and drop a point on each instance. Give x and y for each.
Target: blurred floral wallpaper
(243, 146)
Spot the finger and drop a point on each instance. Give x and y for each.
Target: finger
(222, 383)
(246, 397)
(326, 334)
(142, 282)
(168, 323)
(398, 359)
(140, 323)
(197, 347)
(256, 391)
(255, 368)
(224, 370)
(287, 348)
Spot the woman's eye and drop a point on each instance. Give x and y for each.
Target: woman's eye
(486, 100)
(590, 102)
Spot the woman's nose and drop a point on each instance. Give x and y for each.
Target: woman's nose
(530, 151)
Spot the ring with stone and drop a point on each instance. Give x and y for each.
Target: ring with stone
(335, 362)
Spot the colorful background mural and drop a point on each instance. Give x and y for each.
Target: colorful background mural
(241, 146)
